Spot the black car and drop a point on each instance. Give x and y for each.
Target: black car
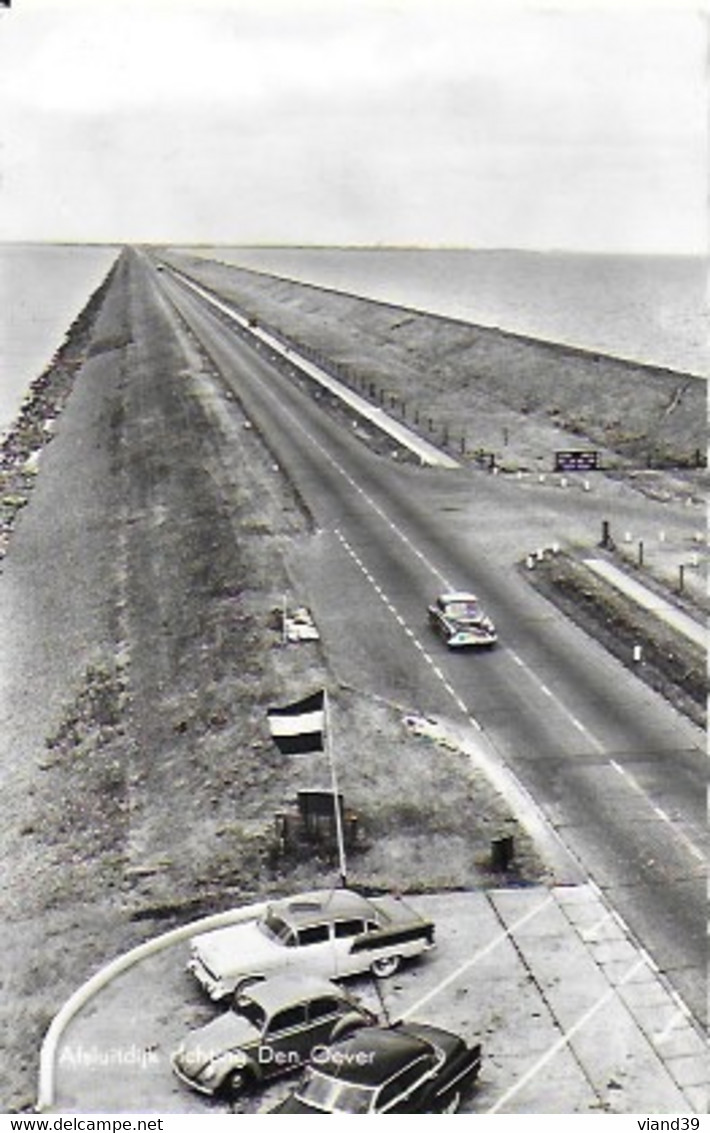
(405, 1068)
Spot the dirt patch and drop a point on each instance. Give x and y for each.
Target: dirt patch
(668, 662)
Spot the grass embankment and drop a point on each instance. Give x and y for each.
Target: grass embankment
(667, 662)
(474, 389)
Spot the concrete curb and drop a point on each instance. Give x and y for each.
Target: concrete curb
(45, 1096)
(427, 452)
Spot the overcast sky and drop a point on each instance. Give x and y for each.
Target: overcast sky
(425, 122)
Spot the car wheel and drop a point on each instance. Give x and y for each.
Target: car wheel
(452, 1105)
(237, 1081)
(385, 966)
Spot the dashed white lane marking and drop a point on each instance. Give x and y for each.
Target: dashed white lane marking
(560, 705)
(564, 1039)
(633, 783)
(490, 947)
(401, 621)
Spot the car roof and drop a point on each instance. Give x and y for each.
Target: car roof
(388, 1050)
(458, 596)
(320, 905)
(289, 989)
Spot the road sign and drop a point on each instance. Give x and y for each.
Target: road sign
(577, 460)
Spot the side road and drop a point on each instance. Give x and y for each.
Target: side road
(572, 1016)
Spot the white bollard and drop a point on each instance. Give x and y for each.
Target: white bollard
(661, 536)
(563, 482)
(628, 537)
(586, 485)
(637, 653)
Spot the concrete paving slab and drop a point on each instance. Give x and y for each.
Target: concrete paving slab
(613, 1050)
(698, 1098)
(559, 1087)
(691, 1071)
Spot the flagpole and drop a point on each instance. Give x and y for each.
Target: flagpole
(336, 796)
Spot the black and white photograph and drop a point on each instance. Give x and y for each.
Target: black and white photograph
(353, 560)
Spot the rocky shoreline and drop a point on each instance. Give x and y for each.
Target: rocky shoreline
(22, 443)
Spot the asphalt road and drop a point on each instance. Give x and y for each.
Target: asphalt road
(616, 770)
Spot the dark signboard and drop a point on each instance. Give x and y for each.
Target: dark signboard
(577, 460)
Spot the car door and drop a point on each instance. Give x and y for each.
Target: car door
(315, 950)
(285, 1042)
(324, 1012)
(348, 961)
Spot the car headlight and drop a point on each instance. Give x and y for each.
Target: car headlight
(209, 1072)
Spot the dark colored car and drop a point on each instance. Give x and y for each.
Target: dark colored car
(273, 1028)
(406, 1068)
(459, 620)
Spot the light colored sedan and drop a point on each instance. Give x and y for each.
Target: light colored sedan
(331, 933)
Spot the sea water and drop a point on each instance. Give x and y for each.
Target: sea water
(43, 287)
(651, 309)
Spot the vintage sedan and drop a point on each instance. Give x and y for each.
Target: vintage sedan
(406, 1068)
(272, 1028)
(458, 618)
(332, 933)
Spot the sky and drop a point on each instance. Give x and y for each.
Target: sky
(398, 122)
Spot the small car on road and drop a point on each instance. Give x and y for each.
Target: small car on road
(406, 1068)
(332, 933)
(459, 620)
(273, 1027)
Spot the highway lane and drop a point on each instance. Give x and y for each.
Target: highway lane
(599, 752)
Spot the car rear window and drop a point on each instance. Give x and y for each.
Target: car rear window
(353, 927)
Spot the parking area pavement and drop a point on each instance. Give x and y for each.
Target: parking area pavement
(572, 1016)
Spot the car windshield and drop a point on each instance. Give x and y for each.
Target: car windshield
(333, 1095)
(275, 928)
(251, 1011)
(461, 609)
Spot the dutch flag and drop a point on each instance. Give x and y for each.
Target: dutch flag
(297, 729)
